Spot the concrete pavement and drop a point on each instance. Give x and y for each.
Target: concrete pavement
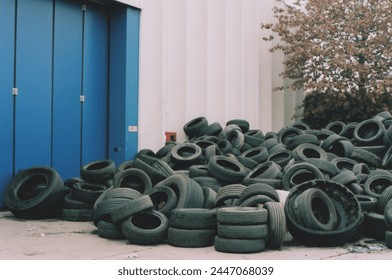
(55, 239)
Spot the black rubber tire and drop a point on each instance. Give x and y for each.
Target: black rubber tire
(335, 126)
(281, 158)
(211, 151)
(316, 210)
(301, 125)
(188, 191)
(347, 206)
(302, 175)
(367, 202)
(361, 168)
(186, 154)
(295, 141)
(164, 199)
(146, 228)
(346, 178)
(129, 209)
(276, 225)
(195, 126)
(133, 178)
(384, 198)
(226, 169)
(278, 148)
(243, 231)
(262, 189)
(242, 215)
(198, 171)
(165, 150)
(269, 143)
(374, 226)
(252, 139)
(243, 124)
(307, 151)
(286, 133)
(35, 193)
(210, 182)
(213, 129)
(77, 215)
(70, 203)
(236, 138)
(256, 200)
(258, 154)
(290, 170)
(266, 170)
(229, 193)
(386, 162)
(356, 188)
(99, 171)
(247, 162)
(190, 238)
(118, 193)
(348, 130)
(376, 184)
(125, 165)
(342, 148)
(344, 163)
(109, 230)
(326, 167)
(102, 210)
(388, 239)
(71, 181)
(362, 155)
(388, 215)
(275, 183)
(224, 146)
(369, 132)
(209, 197)
(155, 175)
(87, 192)
(230, 245)
(193, 218)
(330, 141)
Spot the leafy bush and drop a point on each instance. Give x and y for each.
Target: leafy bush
(340, 53)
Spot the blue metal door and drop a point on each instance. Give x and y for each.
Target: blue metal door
(33, 78)
(54, 85)
(67, 87)
(95, 83)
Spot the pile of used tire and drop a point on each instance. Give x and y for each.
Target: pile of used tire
(224, 187)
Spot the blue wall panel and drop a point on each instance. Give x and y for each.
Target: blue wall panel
(67, 81)
(132, 81)
(124, 76)
(95, 84)
(34, 79)
(7, 27)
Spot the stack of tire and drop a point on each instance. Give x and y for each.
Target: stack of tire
(192, 227)
(124, 213)
(95, 178)
(217, 167)
(250, 229)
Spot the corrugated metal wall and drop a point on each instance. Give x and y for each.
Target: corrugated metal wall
(207, 58)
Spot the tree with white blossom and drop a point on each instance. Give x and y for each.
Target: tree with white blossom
(340, 53)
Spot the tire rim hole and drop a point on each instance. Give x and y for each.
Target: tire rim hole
(32, 187)
(145, 221)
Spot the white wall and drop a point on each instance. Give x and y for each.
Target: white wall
(207, 58)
